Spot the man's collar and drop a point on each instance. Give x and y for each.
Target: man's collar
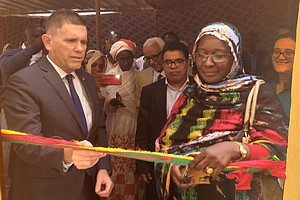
(61, 72)
(187, 81)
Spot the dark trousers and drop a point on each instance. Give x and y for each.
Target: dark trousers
(151, 191)
(88, 191)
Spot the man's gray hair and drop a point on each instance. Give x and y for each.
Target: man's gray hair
(154, 41)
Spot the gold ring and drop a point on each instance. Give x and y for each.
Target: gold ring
(209, 170)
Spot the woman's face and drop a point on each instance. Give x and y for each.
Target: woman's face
(283, 55)
(99, 66)
(213, 59)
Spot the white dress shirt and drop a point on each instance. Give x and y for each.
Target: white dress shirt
(80, 91)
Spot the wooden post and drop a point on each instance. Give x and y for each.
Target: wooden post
(292, 183)
(98, 24)
(156, 23)
(2, 183)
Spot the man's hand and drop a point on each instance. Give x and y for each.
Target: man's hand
(117, 102)
(104, 185)
(82, 159)
(145, 177)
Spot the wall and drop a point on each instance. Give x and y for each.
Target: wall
(261, 17)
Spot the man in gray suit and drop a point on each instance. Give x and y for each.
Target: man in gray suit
(56, 98)
(152, 55)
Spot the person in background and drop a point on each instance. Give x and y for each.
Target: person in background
(152, 55)
(87, 56)
(121, 120)
(254, 59)
(11, 61)
(169, 37)
(7, 46)
(283, 59)
(141, 64)
(55, 97)
(96, 64)
(114, 37)
(5, 151)
(207, 121)
(191, 71)
(157, 99)
(285, 29)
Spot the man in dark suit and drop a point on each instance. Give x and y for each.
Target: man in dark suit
(157, 100)
(38, 101)
(11, 61)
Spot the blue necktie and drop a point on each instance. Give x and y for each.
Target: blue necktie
(77, 103)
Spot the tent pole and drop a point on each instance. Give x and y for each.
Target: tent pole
(2, 181)
(291, 187)
(156, 25)
(98, 24)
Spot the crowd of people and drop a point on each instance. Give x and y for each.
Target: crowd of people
(169, 100)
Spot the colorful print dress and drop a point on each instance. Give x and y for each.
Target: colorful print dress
(210, 113)
(201, 118)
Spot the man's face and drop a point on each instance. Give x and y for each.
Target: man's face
(125, 60)
(67, 46)
(175, 67)
(153, 58)
(33, 34)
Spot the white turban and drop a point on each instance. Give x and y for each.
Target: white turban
(122, 45)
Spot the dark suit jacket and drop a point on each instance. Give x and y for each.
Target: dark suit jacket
(37, 101)
(151, 119)
(13, 60)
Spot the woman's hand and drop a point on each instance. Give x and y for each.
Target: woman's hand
(178, 178)
(215, 158)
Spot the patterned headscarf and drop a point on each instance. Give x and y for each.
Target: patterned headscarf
(122, 45)
(231, 36)
(94, 55)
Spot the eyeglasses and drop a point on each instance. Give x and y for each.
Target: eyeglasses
(152, 57)
(217, 58)
(287, 54)
(177, 62)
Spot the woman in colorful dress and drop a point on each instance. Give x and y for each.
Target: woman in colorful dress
(209, 118)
